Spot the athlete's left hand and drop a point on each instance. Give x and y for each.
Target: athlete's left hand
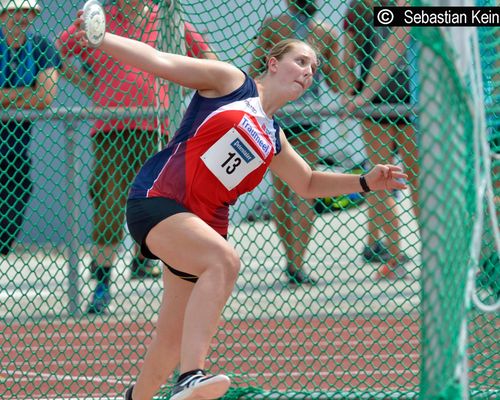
(386, 177)
(77, 28)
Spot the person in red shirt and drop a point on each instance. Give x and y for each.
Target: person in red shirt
(120, 145)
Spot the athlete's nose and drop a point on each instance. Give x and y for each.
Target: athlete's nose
(309, 70)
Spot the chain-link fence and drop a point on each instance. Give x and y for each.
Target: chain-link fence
(354, 297)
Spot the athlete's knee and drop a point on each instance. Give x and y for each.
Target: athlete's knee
(226, 266)
(231, 264)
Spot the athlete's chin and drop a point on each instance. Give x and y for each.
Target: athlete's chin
(295, 94)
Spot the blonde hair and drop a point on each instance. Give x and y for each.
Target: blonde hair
(283, 47)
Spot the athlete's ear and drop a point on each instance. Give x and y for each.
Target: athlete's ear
(272, 64)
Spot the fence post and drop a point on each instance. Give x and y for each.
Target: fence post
(74, 215)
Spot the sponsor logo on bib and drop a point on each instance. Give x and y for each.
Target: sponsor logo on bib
(248, 126)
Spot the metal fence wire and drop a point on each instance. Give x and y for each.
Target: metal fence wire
(78, 305)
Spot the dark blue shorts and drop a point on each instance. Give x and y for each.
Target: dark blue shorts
(143, 215)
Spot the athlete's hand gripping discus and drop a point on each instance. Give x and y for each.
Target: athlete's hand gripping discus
(94, 22)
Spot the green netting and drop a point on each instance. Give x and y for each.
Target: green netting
(71, 142)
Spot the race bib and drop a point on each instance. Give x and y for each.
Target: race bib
(231, 159)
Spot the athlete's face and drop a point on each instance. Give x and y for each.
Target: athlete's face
(295, 70)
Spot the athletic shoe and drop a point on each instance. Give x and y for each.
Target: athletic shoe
(298, 277)
(100, 299)
(392, 273)
(143, 269)
(199, 386)
(377, 252)
(128, 393)
(94, 270)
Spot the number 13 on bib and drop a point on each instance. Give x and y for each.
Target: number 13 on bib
(231, 159)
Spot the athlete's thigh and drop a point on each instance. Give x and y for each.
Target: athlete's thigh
(379, 142)
(407, 144)
(188, 244)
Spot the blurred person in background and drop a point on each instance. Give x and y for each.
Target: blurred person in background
(380, 54)
(28, 80)
(121, 145)
(295, 216)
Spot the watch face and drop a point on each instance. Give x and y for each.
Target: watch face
(94, 20)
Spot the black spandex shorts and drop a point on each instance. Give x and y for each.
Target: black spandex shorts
(293, 131)
(143, 214)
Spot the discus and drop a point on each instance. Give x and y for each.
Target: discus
(94, 22)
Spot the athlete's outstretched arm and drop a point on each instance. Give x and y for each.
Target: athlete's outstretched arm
(189, 72)
(212, 78)
(289, 166)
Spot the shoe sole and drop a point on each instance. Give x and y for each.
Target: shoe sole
(94, 311)
(98, 310)
(211, 389)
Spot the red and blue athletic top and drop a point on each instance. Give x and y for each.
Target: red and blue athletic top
(222, 149)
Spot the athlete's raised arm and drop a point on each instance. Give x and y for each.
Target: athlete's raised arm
(211, 77)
